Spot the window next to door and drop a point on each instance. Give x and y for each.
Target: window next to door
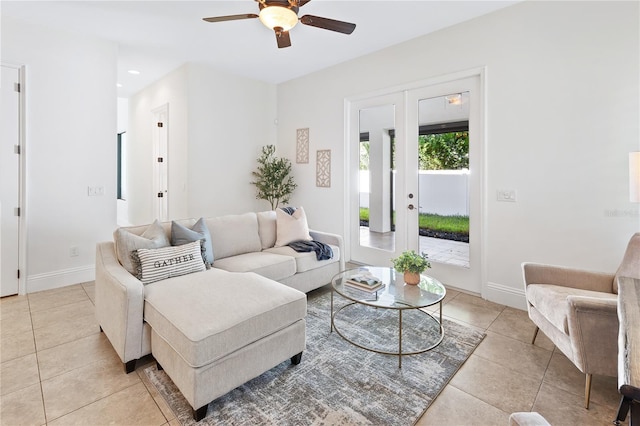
(121, 164)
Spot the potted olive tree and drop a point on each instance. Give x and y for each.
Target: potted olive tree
(273, 179)
(412, 264)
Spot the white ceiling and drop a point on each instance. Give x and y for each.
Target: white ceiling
(156, 37)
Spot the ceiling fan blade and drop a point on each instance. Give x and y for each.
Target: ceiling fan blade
(230, 17)
(328, 24)
(302, 2)
(282, 37)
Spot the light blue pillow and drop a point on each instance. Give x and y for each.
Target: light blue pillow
(180, 235)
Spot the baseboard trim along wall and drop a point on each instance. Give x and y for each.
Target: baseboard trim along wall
(60, 278)
(506, 295)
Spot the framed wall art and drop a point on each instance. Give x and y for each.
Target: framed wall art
(323, 168)
(302, 146)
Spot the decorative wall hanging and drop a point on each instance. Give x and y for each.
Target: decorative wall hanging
(302, 146)
(323, 168)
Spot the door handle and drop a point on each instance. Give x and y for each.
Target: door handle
(411, 207)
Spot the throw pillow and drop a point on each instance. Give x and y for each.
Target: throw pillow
(159, 264)
(180, 235)
(127, 242)
(267, 228)
(291, 227)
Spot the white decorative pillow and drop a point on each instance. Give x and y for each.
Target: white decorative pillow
(267, 228)
(127, 242)
(159, 264)
(291, 227)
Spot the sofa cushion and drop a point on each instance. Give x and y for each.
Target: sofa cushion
(150, 237)
(551, 301)
(306, 261)
(166, 262)
(270, 265)
(209, 315)
(234, 234)
(181, 234)
(291, 227)
(267, 228)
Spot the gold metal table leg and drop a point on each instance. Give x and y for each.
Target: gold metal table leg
(331, 324)
(400, 338)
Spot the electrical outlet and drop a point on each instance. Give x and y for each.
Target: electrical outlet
(95, 191)
(74, 251)
(507, 195)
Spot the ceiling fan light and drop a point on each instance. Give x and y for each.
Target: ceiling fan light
(278, 16)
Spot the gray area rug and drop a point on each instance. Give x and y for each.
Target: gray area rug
(338, 383)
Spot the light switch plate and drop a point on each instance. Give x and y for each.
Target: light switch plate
(507, 195)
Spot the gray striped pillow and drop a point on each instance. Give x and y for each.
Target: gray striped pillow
(159, 264)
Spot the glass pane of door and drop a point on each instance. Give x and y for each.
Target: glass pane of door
(378, 230)
(376, 178)
(443, 178)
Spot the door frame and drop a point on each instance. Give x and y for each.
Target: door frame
(22, 163)
(477, 72)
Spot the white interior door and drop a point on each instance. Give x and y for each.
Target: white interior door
(10, 182)
(160, 162)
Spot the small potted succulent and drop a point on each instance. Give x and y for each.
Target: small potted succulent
(412, 264)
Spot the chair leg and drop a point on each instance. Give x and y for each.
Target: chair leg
(587, 390)
(535, 334)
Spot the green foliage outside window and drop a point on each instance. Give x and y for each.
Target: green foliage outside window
(443, 151)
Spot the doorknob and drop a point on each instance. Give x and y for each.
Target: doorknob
(411, 207)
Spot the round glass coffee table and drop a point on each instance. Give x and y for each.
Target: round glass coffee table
(393, 294)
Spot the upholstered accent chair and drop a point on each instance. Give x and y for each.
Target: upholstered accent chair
(577, 310)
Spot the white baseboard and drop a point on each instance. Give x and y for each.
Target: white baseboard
(506, 295)
(60, 278)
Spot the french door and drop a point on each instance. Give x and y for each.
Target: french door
(391, 193)
(377, 179)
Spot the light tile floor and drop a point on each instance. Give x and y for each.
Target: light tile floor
(438, 250)
(58, 369)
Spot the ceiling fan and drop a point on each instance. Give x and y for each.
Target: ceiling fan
(282, 15)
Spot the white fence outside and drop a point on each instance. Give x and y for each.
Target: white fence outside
(443, 192)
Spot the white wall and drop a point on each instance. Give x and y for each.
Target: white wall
(217, 125)
(70, 145)
(172, 90)
(230, 119)
(562, 114)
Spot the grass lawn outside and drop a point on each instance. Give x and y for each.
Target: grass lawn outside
(433, 222)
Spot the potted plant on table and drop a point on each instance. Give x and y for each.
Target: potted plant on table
(412, 264)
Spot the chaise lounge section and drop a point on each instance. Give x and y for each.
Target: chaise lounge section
(214, 329)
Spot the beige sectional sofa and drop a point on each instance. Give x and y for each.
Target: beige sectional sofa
(213, 330)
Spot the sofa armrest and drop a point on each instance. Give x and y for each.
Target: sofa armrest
(593, 327)
(537, 273)
(119, 304)
(332, 239)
